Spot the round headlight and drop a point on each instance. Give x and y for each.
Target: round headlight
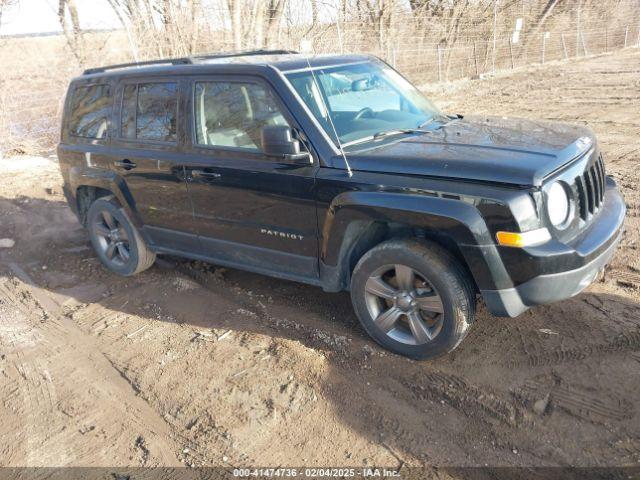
(558, 204)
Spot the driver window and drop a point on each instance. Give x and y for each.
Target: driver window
(232, 114)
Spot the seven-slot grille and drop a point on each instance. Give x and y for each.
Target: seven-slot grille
(590, 188)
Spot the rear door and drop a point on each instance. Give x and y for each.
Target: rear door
(252, 210)
(147, 154)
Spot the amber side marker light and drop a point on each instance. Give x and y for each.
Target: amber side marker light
(524, 239)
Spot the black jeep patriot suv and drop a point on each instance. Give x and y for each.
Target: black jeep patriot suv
(336, 171)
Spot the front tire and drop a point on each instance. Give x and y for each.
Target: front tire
(414, 298)
(115, 239)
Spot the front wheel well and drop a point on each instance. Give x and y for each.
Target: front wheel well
(360, 237)
(85, 196)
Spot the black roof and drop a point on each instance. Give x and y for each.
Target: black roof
(283, 60)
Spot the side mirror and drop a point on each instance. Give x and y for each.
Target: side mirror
(278, 141)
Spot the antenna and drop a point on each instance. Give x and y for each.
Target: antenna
(326, 109)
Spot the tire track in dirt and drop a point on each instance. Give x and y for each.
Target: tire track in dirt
(57, 351)
(528, 348)
(163, 325)
(623, 342)
(35, 393)
(579, 403)
(625, 279)
(468, 399)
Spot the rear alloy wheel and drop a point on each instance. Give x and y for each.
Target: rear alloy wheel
(413, 298)
(116, 241)
(112, 238)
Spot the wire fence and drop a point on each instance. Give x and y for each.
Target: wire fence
(425, 46)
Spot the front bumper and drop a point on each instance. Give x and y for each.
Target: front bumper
(591, 250)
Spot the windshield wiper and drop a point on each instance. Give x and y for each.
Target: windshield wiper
(386, 133)
(424, 124)
(444, 119)
(396, 131)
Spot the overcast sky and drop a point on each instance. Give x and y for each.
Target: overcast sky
(40, 16)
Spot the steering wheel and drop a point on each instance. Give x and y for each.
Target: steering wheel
(365, 111)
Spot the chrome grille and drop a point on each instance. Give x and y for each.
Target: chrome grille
(590, 188)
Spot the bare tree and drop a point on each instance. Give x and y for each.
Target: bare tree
(274, 11)
(4, 4)
(235, 10)
(161, 27)
(70, 23)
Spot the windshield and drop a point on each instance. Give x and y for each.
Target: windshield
(362, 100)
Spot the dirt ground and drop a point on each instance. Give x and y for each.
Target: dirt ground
(189, 364)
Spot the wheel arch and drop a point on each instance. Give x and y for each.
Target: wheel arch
(89, 184)
(358, 221)
(85, 196)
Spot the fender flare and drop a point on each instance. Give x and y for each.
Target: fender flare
(81, 176)
(459, 221)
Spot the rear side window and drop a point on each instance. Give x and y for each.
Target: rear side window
(90, 111)
(149, 111)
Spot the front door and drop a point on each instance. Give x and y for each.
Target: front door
(252, 210)
(147, 155)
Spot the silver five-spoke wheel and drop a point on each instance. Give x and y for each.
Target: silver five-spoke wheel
(115, 239)
(404, 304)
(112, 238)
(413, 297)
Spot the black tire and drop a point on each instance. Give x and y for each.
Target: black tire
(438, 275)
(139, 256)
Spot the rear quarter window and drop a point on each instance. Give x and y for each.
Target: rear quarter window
(90, 111)
(149, 111)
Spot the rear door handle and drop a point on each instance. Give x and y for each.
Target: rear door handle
(126, 164)
(204, 174)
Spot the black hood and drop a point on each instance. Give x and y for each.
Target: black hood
(495, 149)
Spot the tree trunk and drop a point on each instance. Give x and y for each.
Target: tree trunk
(235, 10)
(71, 33)
(275, 9)
(195, 26)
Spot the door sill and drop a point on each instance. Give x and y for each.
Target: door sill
(225, 262)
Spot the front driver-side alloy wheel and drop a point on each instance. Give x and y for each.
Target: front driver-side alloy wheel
(413, 298)
(115, 239)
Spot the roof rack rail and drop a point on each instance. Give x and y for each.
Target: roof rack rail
(242, 53)
(187, 60)
(165, 61)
